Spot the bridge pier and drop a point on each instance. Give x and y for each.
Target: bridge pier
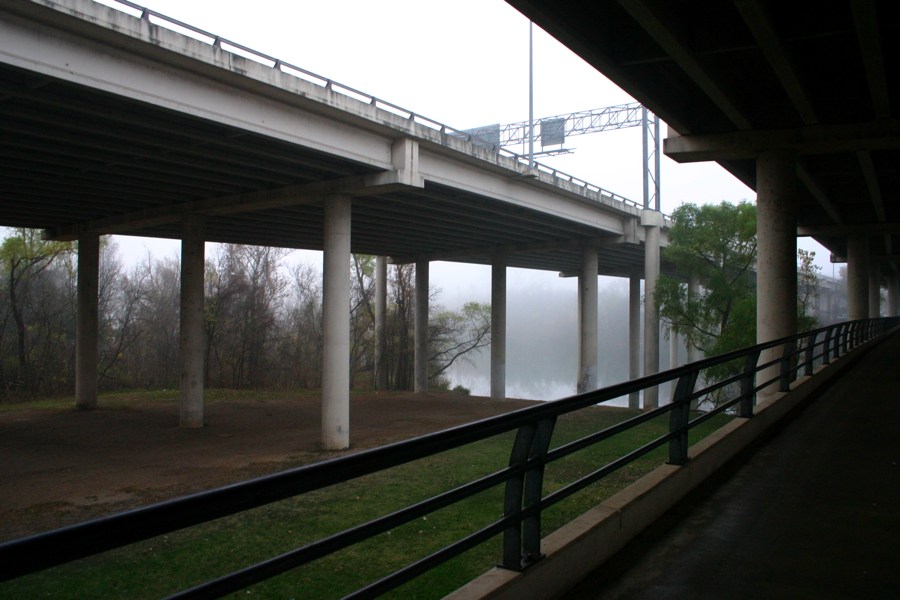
(336, 325)
(498, 327)
(857, 277)
(380, 315)
(634, 336)
(776, 227)
(651, 221)
(874, 289)
(694, 354)
(191, 332)
(86, 321)
(893, 295)
(587, 310)
(420, 366)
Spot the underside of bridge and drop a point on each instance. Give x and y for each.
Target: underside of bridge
(797, 101)
(737, 79)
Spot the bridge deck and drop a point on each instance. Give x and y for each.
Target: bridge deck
(813, 512)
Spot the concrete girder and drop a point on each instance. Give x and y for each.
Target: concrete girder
(802, 141)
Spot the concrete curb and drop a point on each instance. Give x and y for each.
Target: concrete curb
(579, 547)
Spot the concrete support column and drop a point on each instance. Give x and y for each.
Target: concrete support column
(673, 350)
(634, 336)
(380, 312)
(776, 227)
(587, 306)
(498, 328)
(191, 332)
(651, 220)
(893, 296)
(857, 277)
(421, 336)
(694, 354)
(874, 289)
(336, 325)
(86, 322)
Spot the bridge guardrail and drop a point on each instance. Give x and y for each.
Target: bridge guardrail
(523, 501)
(328, 83)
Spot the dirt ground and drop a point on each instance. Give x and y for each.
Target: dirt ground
(61, 466)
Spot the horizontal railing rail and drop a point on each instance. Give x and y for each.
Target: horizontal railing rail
(325, 82)
(524, 498)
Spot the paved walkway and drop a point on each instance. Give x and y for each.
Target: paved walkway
(813, 513)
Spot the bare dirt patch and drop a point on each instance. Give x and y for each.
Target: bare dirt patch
(61, 466)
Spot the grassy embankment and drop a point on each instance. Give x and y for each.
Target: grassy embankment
(163, 565)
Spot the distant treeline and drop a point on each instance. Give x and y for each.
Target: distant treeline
(263, 321)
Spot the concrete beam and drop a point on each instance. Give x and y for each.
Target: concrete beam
(420, 368)
(192, 333)
(809, 140)
(674, 46)
(498, 328)
(760, 25)
(336, 325)
(293, 195)
(507, 249)
(847, 230)
(86, 322)
(868, 33)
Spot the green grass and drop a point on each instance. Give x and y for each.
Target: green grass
(166, 564)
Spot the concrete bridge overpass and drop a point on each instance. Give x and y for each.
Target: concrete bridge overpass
(117, 123)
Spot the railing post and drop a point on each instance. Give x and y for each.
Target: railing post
(748, 382)
(522, 540)
(512, 503)
(790, 350)
(837, 341)
(679, 416)
(826, 348)
(848, 330)
(810, 353)
(534, 491)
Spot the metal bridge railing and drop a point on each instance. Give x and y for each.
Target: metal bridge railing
(524, 499)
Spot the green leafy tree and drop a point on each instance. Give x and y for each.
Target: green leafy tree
(807, 289)
(716, 244)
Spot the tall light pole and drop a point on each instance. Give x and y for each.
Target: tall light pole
(530, 95)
